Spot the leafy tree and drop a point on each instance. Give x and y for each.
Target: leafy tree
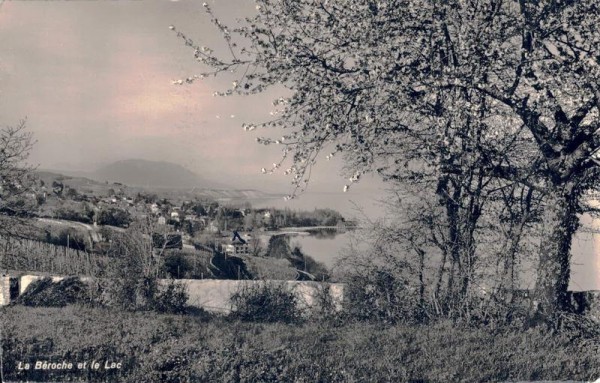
(279, 247)
(71, 193)
(113, 217)
(461, 94)
(57, 187)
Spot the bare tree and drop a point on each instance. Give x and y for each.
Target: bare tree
(16, 179)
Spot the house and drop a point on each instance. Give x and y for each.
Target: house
(236, 246)
(162, 220)
(267, 218)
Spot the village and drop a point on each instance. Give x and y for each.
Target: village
(233, 239)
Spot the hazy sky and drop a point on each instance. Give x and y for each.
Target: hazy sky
(94, 80)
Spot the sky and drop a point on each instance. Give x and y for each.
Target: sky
(95, 81)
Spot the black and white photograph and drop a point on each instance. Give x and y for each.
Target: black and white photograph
(300, 191)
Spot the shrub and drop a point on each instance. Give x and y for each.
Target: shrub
(381, 295)
(113, 217)
(128, 293)
(265, 303)
(326, 309)
(171, 299)
(68, 237)
(279, 247)
(45, 292)
(176, 265)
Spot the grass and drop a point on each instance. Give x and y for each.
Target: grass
(175, 348)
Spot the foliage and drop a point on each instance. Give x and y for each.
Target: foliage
(113, 217)
(75, 212)
(176, 265)
(68, 237)
(130, 280)
(279, 247)
(229, 267)
(171, 299)
(317, 217)
(383, 296)
(46, 293)
(265, 303)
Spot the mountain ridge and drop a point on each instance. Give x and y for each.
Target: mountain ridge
(155, 174)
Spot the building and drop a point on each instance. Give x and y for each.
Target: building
(236, 246)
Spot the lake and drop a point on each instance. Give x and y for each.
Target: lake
(585, 262)
(326, 249)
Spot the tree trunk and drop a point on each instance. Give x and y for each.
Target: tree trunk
(454, 245)
(560, 224)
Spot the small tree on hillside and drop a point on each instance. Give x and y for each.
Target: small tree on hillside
(16, 179)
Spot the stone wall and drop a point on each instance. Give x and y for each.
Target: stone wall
(9, 289)
(4, 290)
(214, 294)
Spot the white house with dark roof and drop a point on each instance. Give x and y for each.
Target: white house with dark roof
(236, 245)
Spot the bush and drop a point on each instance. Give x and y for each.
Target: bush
(45, 292)
(142, 294)
(176, 265)
(171, 299)
(128, 293)
(326, 309)
(71, 214)
(383, 296)
(113, 217)
(265, 303)
(279, 247)
(68, 237)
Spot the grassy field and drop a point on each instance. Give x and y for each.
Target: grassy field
(149, 347)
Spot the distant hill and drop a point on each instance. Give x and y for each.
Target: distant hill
(80, 183)
(153, 174)
(86, 184)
